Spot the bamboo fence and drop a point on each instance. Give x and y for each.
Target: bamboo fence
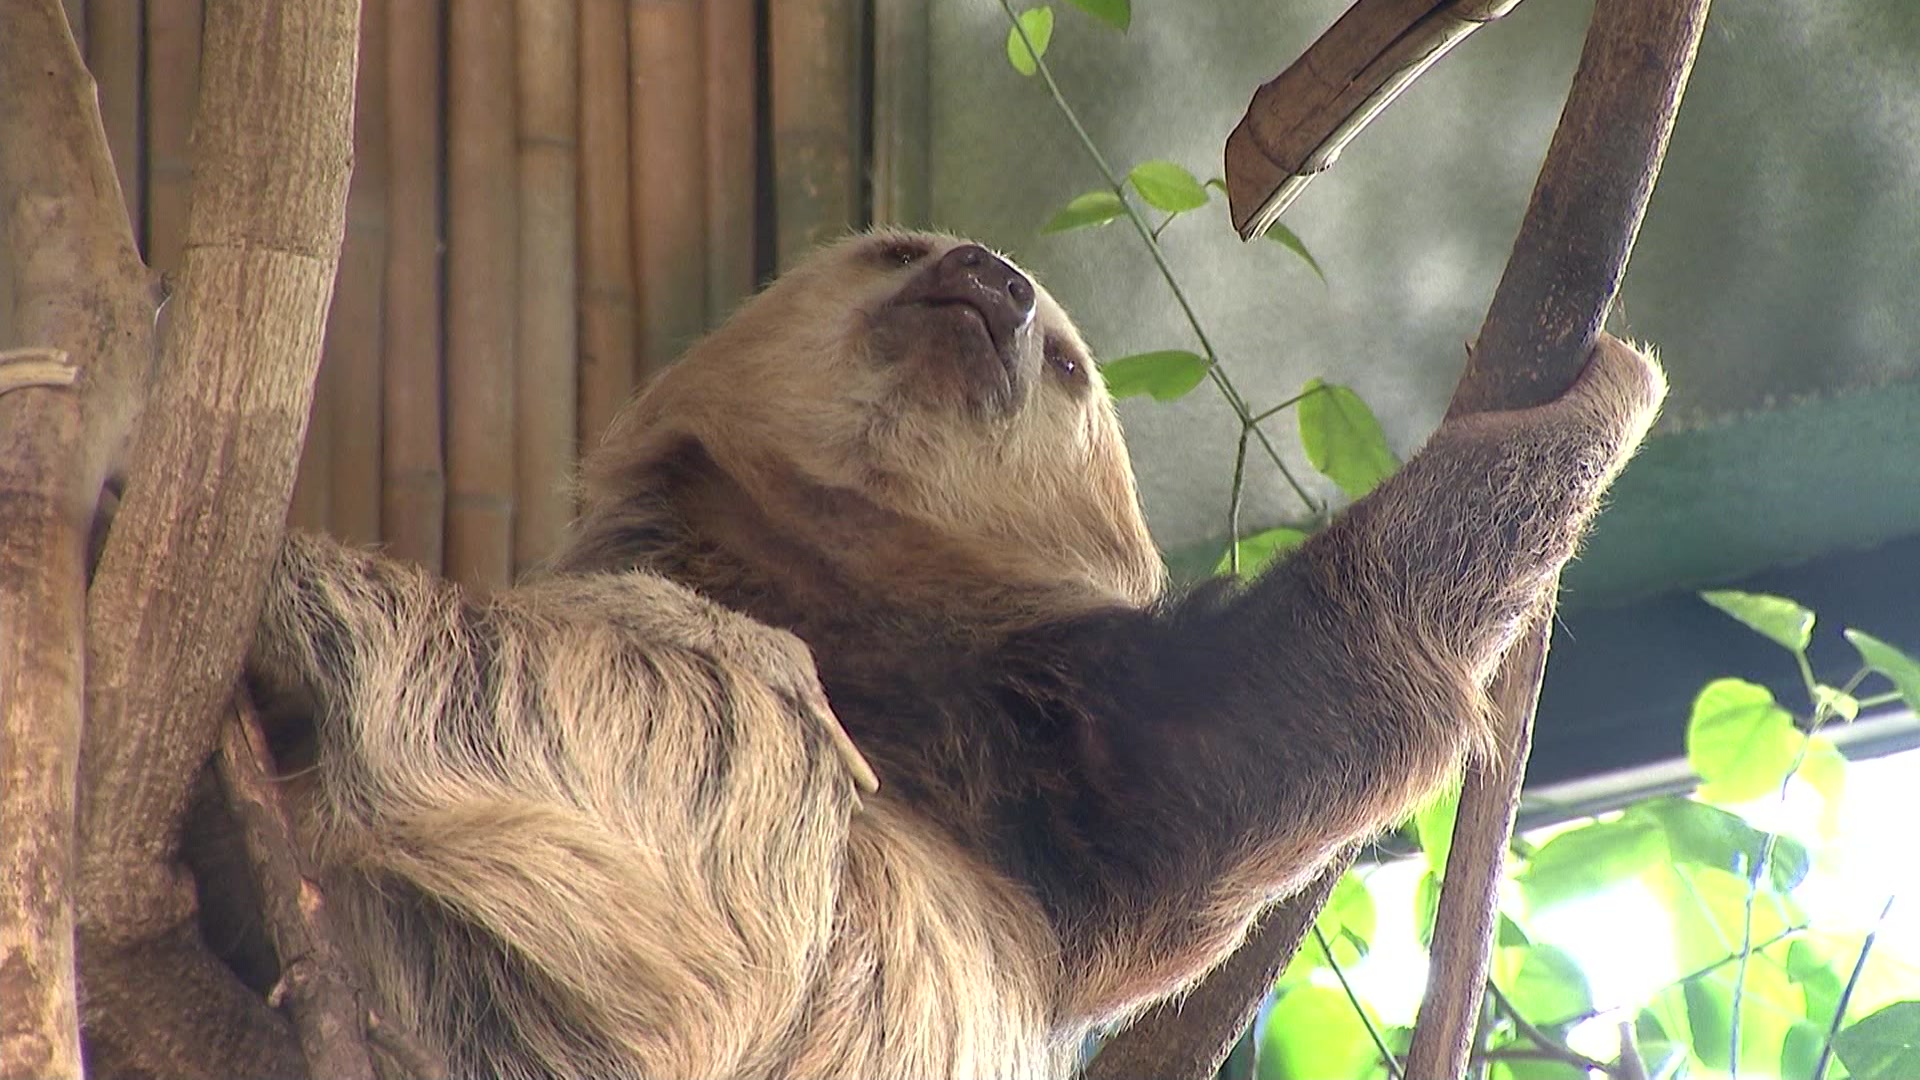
(551, 200)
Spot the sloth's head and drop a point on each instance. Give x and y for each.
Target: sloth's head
(907, 391)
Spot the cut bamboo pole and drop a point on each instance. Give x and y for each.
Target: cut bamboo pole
(668, 176)
(482, 259)
(116, 55)
(356, 329)
(902, 39)
(546, 388)
(172, 83)
(729, 35)
(413, 478)
(604, 224)
(815, 82)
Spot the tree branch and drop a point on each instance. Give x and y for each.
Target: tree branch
(180, 578)
(1552, 300)
(326, 1009)
(78, 301)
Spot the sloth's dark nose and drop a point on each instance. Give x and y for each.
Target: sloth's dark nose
(974, 275)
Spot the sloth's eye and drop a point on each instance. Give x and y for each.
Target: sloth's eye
(1062, 360)
(901, 253)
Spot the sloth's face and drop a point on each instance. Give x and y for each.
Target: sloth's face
(935, 378)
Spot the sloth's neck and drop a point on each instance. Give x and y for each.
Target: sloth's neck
(855, 580)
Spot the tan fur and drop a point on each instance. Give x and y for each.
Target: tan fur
(596, 825)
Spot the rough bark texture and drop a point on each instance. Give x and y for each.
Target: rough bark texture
(78, 296)
(327, 1012)
(210, 472)
(1552, 300)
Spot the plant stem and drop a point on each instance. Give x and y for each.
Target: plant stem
(1233, 504)
(1149, 236)
(1822, 712)
(1846, 992)
(1379, 1043)
(1551, 1047)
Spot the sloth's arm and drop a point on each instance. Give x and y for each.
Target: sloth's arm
(1232, 741)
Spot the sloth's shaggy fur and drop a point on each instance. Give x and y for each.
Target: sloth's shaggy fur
(596, 825)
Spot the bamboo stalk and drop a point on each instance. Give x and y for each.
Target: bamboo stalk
(172, 82)
(902, 36)
(669, 186)
(604, 225)
(356, 329)
(546, 389)
(115, 53)
(815, 83)
(729, 34)
(482, 260)
(413, 486)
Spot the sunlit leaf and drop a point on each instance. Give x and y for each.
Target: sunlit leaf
(1740, 742)
(1426, 901)
(1343, 438)
(1167, 186)
(1822, 985)
(1260, 550)
(1588, 859)
(1707, 909)
(1313, 1033)
(1038, 23)
(1434, 825)
(1825, 770)
(1166, 374)
(1835, 702)
(1086, 211)
(1549, 987)
(1884, 1046)
(1290, 240)
(1770, 1006)
(1115, 13)
(1707, 836)
(1775, 617)
(1801, 1050)
(1534, 1069)
(1899, 668)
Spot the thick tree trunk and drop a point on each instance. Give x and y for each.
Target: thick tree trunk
(79, 301)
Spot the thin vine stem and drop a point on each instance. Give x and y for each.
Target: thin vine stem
(1846, 992)
(1379, 1042)
(1822, 712)
(1233, 503)
(1149, 236)
(1787, 934)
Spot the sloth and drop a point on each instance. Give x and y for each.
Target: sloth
(609, 822)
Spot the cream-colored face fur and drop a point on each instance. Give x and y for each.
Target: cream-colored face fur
(1007, 445)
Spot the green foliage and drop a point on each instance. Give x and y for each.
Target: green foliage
(1259, 551)
(1776, 618)
(1343, 438)
(1086, 211)
(1167, 186)
(1115, 13)
(1884, 1046)
(1740, 741)
(1901, 670)
(1038, 26)
(1290, 240)
(1165, 375)
(1340, 1047)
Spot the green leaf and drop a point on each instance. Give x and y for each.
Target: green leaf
(1167, 374)
(1261, 550)
(1086, 211)
(1549, 986)
(1740, 742)
(1899, 668)
(1774, 617)
(1313, 1033)
(1343, 439)
(1115, 13)
(1167, 186)
(1290, 240)
(1801, 1051)
(1349, 911)
(1825, 770)
(1527, 1069)
(1426, 902)
(1038, 23)
(1434, 825)
(1770, 1007)
(1707, 836)
(1884, 1046)
(1817, 979)
(1588, 859)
